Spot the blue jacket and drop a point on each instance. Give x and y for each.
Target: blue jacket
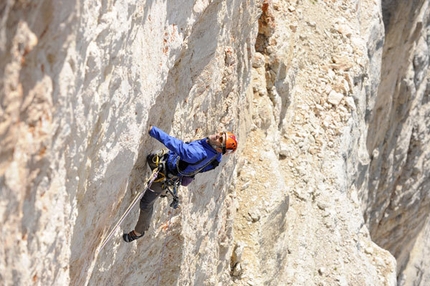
(196, 155)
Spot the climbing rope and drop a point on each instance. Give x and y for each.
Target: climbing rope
(151, 180)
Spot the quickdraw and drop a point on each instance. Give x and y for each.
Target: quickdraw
(172, 187)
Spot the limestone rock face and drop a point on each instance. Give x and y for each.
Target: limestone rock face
(399, 139)
(329, 101)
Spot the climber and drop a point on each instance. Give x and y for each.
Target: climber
(179, 164)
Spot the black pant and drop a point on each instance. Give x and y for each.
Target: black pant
(147, 206)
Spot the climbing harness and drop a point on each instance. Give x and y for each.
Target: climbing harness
(149, 182)
(170, 182)
(158, 161)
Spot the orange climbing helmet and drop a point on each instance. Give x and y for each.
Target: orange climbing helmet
(230, 144)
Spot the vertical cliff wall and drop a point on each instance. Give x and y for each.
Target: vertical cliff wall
(81, 82)
(316, 70)
(329, 101)
(399, 137)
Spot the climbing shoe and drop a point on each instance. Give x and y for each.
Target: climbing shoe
(129, 237)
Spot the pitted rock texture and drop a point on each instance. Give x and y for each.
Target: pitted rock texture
(329, 101)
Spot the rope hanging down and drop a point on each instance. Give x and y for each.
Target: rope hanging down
(132, 204)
